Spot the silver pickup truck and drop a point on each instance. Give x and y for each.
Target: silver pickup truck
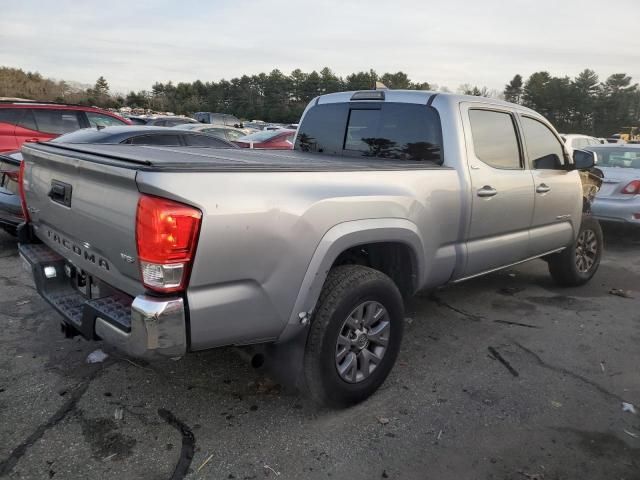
(164, 250)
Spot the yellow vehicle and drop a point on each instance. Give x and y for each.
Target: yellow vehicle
(630, 134)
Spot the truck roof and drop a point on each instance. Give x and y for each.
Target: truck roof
(415, 96)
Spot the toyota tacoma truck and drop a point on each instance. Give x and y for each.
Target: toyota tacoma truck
(164, 251)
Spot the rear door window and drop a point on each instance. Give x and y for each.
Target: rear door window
(495, 141)
(214, 132)
(233, 135)
(400, 131)
(204, 141)
(9, 115)
(26, 119)
(167, 140)
(99, 119)
(57, 121)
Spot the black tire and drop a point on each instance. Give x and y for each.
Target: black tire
(563, 266)
(345, 288)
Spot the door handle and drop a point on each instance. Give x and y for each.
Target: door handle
(543, 188)
(487, 191)
(60, 193)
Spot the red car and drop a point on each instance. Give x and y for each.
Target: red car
(38, 122)
(268, 139)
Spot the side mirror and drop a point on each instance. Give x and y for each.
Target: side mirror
(583, 159)
(548, 162)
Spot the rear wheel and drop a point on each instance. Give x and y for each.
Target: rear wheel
(577, 264)
(355, 336)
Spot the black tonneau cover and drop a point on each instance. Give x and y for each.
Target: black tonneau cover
(154, 158)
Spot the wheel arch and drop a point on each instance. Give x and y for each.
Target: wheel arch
(393, 233)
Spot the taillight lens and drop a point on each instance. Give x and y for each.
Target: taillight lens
(166, 236)
(12, 174)
(632, 188)
(23, 198)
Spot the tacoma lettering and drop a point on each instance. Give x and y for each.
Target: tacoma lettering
(78, 250)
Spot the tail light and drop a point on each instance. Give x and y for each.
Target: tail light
(166, 237)
(632, 188)
(11, 174)
(23, 198)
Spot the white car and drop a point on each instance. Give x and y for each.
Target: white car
(575, 141)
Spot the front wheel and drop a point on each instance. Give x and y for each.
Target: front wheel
(577, 264)
(354, 337)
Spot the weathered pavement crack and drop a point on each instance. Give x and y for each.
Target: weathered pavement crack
(565, 371)
(502, 360)
(518, 324)
(67, 407)
(441, 303)
(188, 444)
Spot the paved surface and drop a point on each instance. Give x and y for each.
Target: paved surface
(449, 410)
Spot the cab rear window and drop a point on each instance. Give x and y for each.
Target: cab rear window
(402, 131)
(57, 121)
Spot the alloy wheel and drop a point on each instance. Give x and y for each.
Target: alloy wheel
(362, 341)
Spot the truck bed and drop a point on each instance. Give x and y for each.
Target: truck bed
(154, 158)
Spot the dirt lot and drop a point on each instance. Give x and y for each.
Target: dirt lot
(503, 377)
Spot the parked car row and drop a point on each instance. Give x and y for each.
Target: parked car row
(619, 197)
(24, 121)
(27, 121)
(143, 135)
(193, 135)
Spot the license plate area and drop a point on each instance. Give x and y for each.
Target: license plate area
(82, 282)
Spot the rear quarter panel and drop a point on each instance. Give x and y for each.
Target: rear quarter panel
(260, 231)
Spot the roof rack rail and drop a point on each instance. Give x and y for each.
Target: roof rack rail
(36, 102)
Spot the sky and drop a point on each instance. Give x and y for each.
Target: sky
(134, 44)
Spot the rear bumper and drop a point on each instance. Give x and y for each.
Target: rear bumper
(141, 326)
(617, 210)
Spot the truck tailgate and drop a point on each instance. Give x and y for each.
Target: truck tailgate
(86, 212)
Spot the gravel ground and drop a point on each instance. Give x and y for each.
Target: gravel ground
(502, 377)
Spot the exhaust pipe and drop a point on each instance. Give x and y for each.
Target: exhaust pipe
(252, 357)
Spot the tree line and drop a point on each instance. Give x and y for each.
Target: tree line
(274, 96)
(583, 104)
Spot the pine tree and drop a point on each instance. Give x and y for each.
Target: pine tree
(101, 88)
(513, 90)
